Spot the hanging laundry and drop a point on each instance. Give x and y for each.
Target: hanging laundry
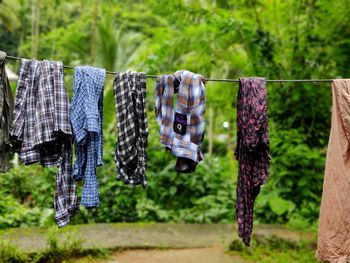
(252, 150)
(6, 107)
(86, 119)
(132, 124)
(41, 130)
(334, 226)
(182, 128)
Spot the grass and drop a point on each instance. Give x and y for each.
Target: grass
(65, 251)
(67, 248)
(274, 250)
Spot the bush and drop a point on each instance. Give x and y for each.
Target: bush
(293, 191)
(292, 194)
(10, 253)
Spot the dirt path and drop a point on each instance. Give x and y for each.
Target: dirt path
(192, 255)
(153, 243)
(138, 235)
(195, 255)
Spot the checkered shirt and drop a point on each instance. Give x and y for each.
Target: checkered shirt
(86, 120)
(41, 129)
(164, 108)
(190, 104)
(132, 124)
(66, 200)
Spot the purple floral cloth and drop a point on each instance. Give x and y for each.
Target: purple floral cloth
(252, 150)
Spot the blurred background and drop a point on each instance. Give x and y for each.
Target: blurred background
(296, 39)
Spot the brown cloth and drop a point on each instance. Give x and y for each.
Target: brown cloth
(334, 222)
(6, 107)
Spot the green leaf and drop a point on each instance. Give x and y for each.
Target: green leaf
(280, 206)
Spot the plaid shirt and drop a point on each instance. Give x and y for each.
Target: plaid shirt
(86, 119)
(6, 107)
(182, 129)
(41, 129)
(130, 101)
(66, 199)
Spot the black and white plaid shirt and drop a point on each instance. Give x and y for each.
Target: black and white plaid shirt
(130, 101)
(41, 130)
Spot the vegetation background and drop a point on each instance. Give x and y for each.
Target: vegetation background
(276, 39)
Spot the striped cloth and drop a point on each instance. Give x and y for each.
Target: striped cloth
(182, 128)
(132, 124)
(86, 120)
(41, 130)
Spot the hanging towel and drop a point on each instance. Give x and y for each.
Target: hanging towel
(6, 107)
(252, 150)
(334, 222)
(182, 129)
(86, 119)
(41, 130)
(130, 106)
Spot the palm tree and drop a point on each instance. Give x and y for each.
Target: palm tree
(118, 49)
(9, 14)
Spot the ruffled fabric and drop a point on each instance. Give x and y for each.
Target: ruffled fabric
(252, 150)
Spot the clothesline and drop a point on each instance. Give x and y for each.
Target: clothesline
(211, 79)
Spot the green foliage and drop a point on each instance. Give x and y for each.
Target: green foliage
(13, 214)
(280, 206)
(24, 201)
(56, 251)
(229, 39)
(295, 185)
(10, 253)
(206, 196)
(273, 249)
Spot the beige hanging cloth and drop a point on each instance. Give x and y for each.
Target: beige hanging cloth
(334, 222)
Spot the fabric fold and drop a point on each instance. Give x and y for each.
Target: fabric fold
(41, 130)
(164, 108)
(86, 120)
(131, 117)
(334, 220)
(252, 150)
(182, 126)
(6, 107)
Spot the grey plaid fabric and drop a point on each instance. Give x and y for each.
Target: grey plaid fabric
(6, 108)
(66, 200)
(41, 112)
(22, 129)
(86, 119)
(132, 124)
(182, 128)
(41, 129)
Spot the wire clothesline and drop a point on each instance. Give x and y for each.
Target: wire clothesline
(210, 79)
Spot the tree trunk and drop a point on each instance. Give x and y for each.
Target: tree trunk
(93, 34)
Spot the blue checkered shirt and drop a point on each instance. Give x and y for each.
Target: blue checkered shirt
(86, 119)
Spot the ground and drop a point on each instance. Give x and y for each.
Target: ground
(154, 243)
